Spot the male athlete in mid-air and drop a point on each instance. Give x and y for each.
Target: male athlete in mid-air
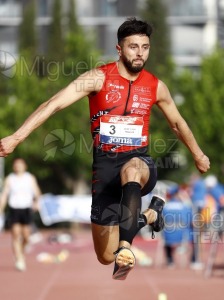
(121, 95)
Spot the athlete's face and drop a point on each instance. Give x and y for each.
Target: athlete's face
(134, 52)
(19, 166)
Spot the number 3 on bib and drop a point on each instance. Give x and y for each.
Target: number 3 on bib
(122, 130)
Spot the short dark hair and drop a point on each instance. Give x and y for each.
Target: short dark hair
(133, 26)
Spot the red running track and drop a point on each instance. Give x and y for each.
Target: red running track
(81, 277)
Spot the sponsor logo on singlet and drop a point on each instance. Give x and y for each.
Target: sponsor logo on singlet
(116, 86)
(135, 98)
(142, 90)
(113, 96)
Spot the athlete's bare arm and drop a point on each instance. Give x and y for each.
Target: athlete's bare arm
(37, 193)
(180, 127)
(85, 84)
(4, 195)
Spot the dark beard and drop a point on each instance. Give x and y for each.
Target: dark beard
(130, 67)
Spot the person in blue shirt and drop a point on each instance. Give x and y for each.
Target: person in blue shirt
(198, 193)
(178, 219)
(198, 197)
(216, 190)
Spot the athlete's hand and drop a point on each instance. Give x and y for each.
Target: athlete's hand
(7, 145)
(202, 163)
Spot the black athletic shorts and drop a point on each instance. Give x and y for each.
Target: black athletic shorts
(106, 183)
(21, 216)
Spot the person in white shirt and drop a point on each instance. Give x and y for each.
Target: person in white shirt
(21, 191)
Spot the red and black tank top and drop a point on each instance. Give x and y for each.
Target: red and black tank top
(120, 111)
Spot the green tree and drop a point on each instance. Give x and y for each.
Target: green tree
(72, 20)
(27, 30)
(56, 41)
(163, 144)
(59, 151)
(203, 107)
(159, 63)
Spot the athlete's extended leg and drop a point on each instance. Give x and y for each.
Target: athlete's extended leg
(17, 247)
(134, 176)
(26, 236)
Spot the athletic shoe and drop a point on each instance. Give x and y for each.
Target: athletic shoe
(157, 205)
(124, 263)
(20, 265)
(197, 266)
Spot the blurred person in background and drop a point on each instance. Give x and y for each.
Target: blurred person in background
(178, 219)
(21, 192)
(215, 190)
(121, 95)
(198, 194)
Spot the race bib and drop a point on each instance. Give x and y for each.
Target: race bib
(122, 130)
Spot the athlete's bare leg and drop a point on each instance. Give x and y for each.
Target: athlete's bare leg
(25, 236)
(16, 232)
(106, 242)
(20, 238)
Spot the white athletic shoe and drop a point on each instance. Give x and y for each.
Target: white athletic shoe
(20, 265)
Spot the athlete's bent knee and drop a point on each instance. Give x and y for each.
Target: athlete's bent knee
(131, 171)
